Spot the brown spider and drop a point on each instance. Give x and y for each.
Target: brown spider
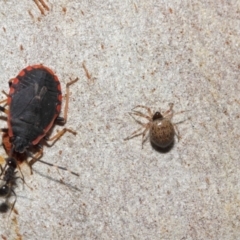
(161, 129)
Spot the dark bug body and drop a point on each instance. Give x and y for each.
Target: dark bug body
(34, 103)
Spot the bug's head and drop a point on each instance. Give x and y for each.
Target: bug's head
(11, 162)
(19, 144)
(157, 115)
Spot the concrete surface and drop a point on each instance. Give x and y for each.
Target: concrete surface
(127, 53)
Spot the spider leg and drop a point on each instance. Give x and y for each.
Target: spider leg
(176, 131)
(176, 128)
(169, 113)
(147, 108)
(149, 118)
(134, 134)
(136, 120)
(144, 133)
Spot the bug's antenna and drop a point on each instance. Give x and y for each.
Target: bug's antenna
(34, 159)
(62, 168)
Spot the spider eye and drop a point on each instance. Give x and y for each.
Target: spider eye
(157, 115)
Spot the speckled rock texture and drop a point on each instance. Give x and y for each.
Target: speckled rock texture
(127, 53)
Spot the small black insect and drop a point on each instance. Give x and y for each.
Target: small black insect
(7, 189)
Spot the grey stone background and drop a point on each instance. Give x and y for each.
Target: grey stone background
(127, 53)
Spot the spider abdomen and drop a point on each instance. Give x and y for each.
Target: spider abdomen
(162, 132)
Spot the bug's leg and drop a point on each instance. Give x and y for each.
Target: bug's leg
(5, 95)
(35, 158)
(63, 120)
(5, 100)
(4, 130)
(22, 176)
(3, 109)
(60, 120)
(67, 97)
(56, 137)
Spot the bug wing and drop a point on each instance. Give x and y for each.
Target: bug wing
(33, 104)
